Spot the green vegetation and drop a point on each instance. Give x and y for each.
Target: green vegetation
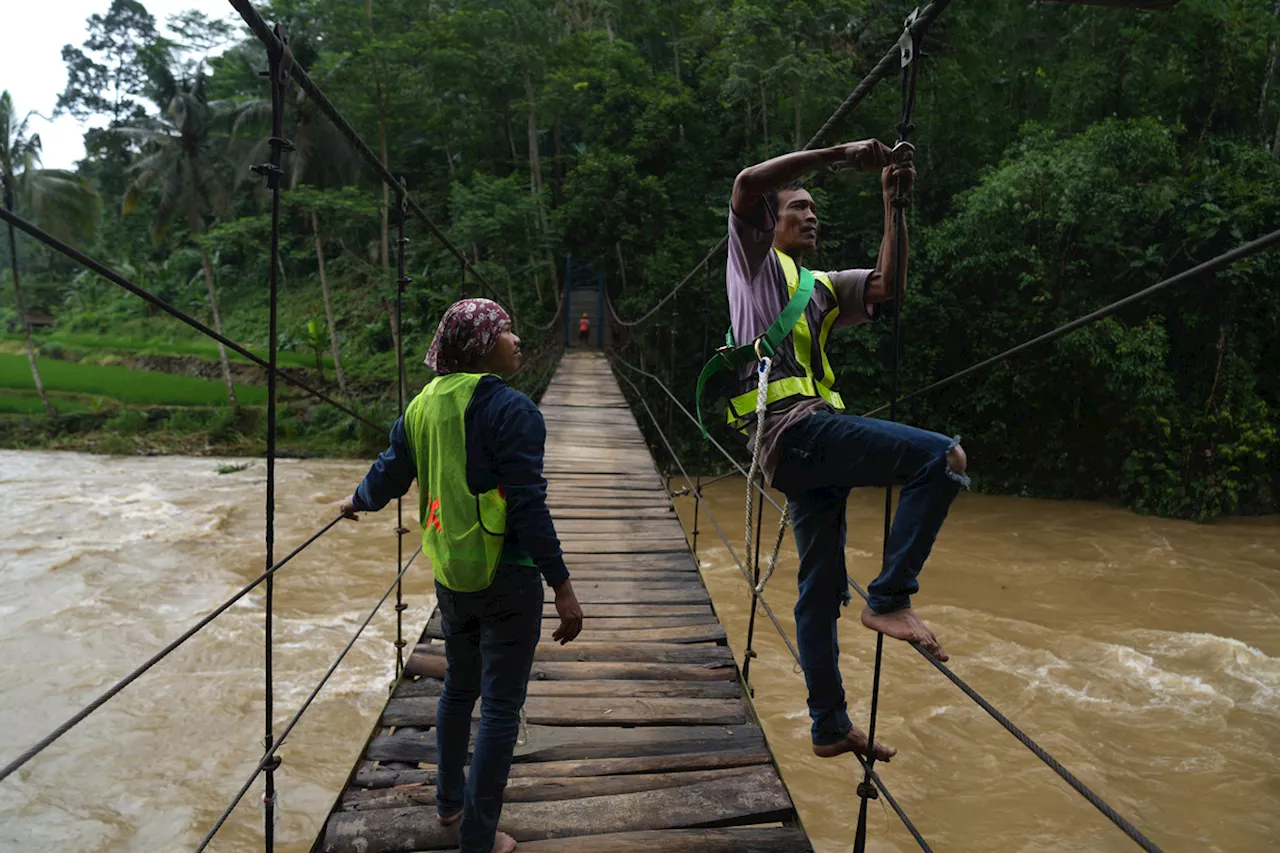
(18, 402)
(1068, 156)
(79, 346)
(122, 384)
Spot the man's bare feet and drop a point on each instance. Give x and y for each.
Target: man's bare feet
(503, 843)
(904, 625)
(854, 741)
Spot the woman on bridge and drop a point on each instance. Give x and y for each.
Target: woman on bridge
(475, 445)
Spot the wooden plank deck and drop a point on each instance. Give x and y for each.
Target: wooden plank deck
(639, 737)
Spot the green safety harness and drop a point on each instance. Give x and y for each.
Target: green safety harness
(734, 358)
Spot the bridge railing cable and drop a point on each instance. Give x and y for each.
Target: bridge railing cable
(140, 670)
(760, 600)
(272, 748)
(1110, 813)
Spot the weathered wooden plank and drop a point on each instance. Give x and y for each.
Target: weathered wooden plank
(634, 550)
(638, 611)
(595, 483)
(587, 711)
(622, 561)
(683, 634)
(612, 498)
(661, 511)
(635, 573)
(599, 629)
(590, 593)
(433, 666)
(754, 797)
(667, 526)
(564, 743)
(588, 652)
(379, 776)
(602, 687)
(739, 839)
(532, 789)
(642, 540)
(604, 579)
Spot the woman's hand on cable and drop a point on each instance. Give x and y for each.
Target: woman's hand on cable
(866, 156)
(902, 165)
(348, 508)
(570, 613)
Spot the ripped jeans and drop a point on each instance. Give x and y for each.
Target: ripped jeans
(820, 459)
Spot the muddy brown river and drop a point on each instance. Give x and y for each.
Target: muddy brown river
(1143, 653)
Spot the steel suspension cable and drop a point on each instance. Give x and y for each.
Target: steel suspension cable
(275, 745)
(706, 297)
(1053, 764)
(910, 63)
(1212, 265)
(742, 569)
(891, 60)
(402, 281)
(115, 278)
(1022, 737)
(140, 670)
(278, 61)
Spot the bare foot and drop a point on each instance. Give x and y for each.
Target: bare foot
(450, 820)
(855, 741)
(904, 625)
(503, 843)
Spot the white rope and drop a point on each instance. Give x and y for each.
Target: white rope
(762, 401)
(777, 546)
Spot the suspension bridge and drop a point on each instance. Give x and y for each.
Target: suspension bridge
(640, 736)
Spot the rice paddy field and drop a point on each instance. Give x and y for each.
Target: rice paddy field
(111, 382)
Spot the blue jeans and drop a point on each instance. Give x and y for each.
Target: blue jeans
(489, 640)
(820, 459)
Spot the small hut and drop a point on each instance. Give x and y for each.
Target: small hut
(37, 319)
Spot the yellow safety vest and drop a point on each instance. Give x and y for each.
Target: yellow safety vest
(463, 534)
(793, 373)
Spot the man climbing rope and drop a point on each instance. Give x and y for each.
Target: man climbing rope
(475, 446)
(808, 450)
(584, 327)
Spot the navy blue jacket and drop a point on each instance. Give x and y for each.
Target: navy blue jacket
(505, 440)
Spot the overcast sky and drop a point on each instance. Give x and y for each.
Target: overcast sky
(31, 66)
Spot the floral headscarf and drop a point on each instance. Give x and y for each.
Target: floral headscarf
(466, 333)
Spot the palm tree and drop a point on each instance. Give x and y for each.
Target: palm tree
(322, 159)
(61, 202)
(181, 155)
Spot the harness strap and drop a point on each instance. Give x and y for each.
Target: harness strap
(731, 357)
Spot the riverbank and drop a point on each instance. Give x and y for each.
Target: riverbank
(111, 400)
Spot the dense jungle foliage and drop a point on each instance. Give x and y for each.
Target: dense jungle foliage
(1068, 156)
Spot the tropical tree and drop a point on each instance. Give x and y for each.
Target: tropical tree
(59, 201)
(182, 157)
(321, 159)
